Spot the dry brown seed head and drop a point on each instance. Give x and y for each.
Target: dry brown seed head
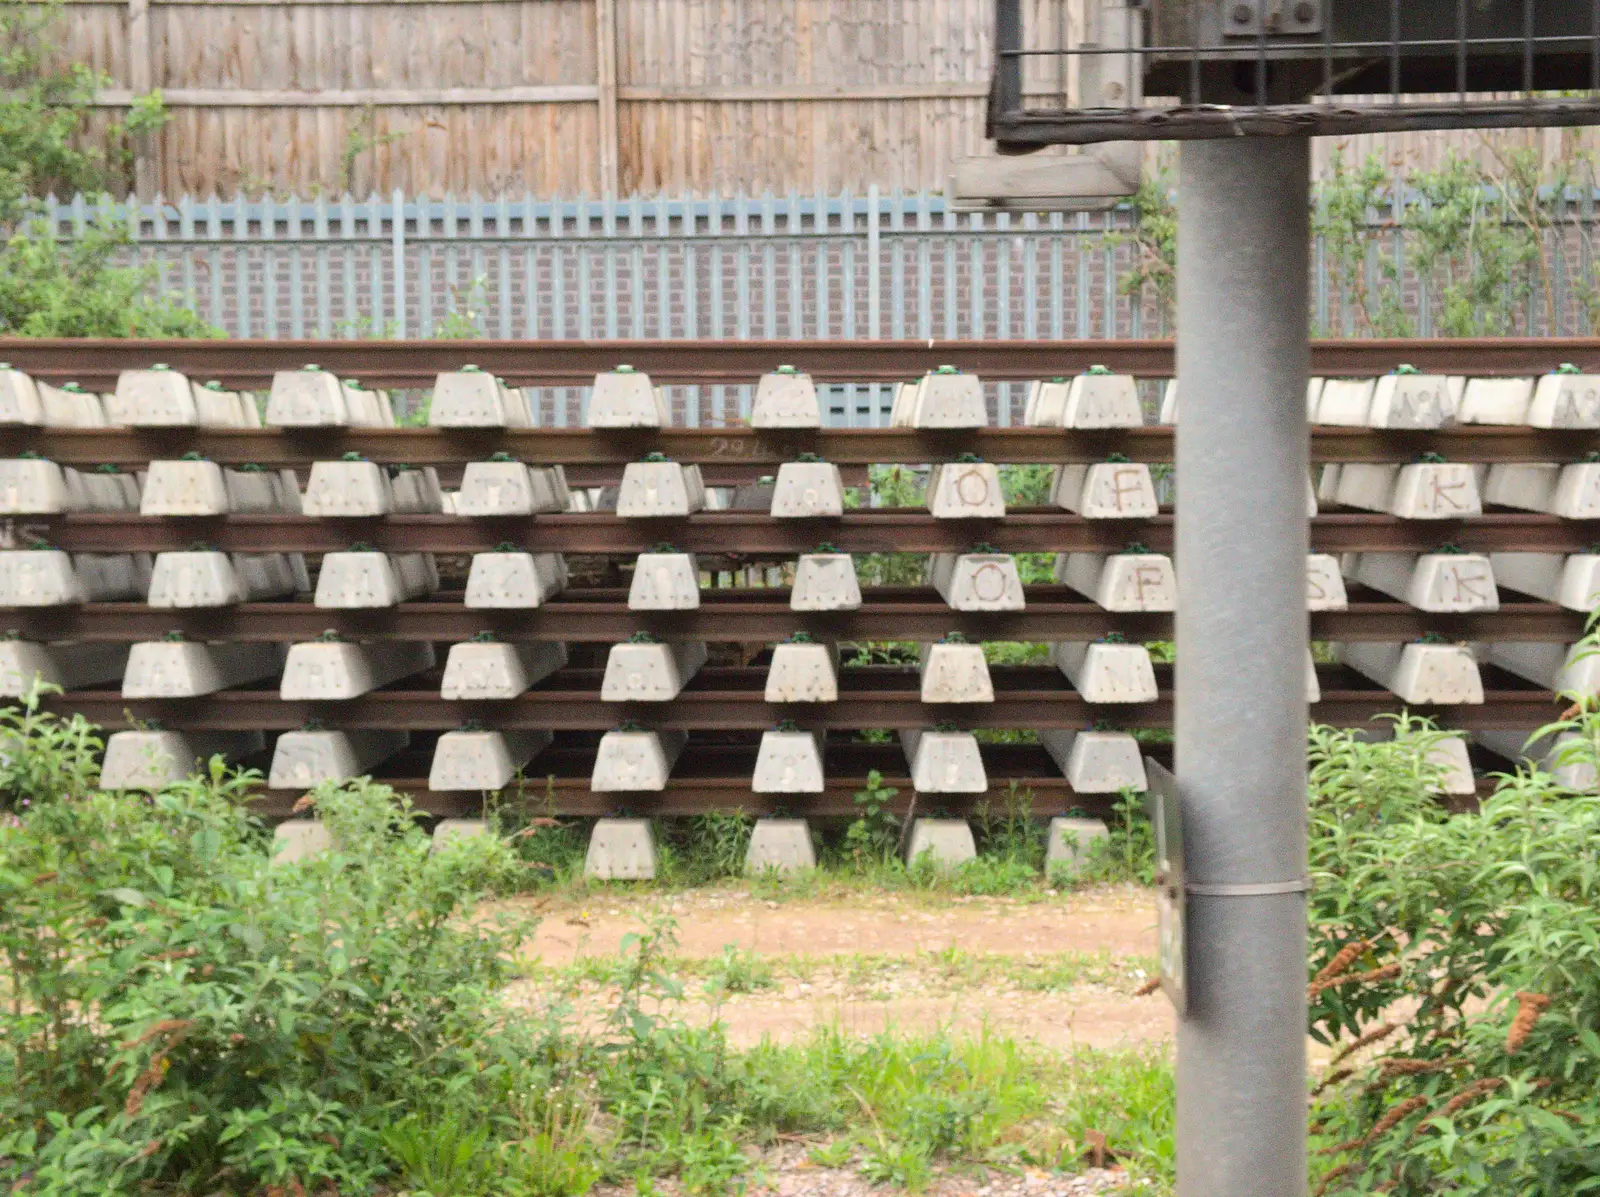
(1378, 1033)
(1342, 960)
(1332, 1079)
(1330, 1177)
(1471, 1094)
(1378, 974)
(1529, 1007)
(1396, 1115)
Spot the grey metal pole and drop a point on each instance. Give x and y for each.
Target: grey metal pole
(1243, 257)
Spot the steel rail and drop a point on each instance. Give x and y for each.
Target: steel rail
(571, 797)
(717, 776)
(906, 614)
(734, 452)
(884, 530)
(251, 363)
(740, 709)
(713, 473)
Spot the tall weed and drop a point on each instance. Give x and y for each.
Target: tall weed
(708, 847)
(1126, 853)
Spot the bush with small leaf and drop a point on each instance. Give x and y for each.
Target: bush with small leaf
(182, 1012)
(874, 832)
(1457, 958)
(86, 287)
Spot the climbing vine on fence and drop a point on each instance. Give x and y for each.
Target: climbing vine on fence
(46, 144)
(1481, 244)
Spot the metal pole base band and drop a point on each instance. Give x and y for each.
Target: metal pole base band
(1264, 889)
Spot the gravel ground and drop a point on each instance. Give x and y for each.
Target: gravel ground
(839, 1182)
(786, 1172)
(1116, 919)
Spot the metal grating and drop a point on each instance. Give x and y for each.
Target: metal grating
(1183, 69)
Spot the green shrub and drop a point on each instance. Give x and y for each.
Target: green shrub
(1474, 230)
(556, 1157)
(708, 847)
(738, 970)
(1465, 949)
(44, 113)
(182, 1012)
(81, 289)
(78, 289)
(552, 849)
(1011, 832)
(904, 1163)
(985, 876)
(875, 831)
(45, 759)
(442, 1155)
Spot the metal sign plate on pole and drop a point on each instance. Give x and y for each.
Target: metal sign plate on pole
(1166, 820)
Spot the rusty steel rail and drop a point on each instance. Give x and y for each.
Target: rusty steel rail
(251, 363)
(572, 798)
(716, 776)
(756, 617)
(737, 452)
(741, 708)
(732, 473)
(883, 530)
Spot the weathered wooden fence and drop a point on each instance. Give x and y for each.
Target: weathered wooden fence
(600, 97)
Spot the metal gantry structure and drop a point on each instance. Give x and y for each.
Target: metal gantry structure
(1205, 69)
(1244, 85)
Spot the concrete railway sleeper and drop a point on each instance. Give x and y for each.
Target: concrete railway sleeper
(655, 620)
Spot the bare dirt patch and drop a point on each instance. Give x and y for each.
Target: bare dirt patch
(871, 962)
(1061, 1021)
(1119, 919)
